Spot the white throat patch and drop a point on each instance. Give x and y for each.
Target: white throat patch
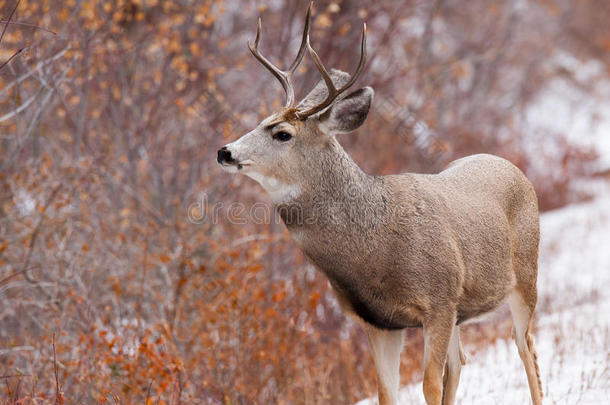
(278, 191)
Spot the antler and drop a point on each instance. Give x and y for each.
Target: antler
(333, 92)
(283, 76)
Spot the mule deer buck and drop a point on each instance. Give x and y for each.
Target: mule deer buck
(400, 251)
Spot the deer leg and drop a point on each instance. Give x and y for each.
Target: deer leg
(522, 314)
(386, 346)
(437, 335)
(453, 366)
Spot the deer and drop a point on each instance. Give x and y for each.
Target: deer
(429, 251)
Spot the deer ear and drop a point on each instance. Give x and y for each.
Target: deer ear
(348, 113)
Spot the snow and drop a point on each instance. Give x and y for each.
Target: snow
(572, 333)
(564, 108)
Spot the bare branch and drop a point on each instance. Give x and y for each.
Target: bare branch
(12, 56)
(25, 24)
(10, 17)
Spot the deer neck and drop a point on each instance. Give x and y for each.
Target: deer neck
(335, 186)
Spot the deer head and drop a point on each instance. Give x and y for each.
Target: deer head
(280, 152)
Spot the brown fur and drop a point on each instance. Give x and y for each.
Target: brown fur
(290, 115)
(402, 250)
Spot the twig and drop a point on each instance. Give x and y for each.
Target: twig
(38, 27)
(7, 278)
(12, 56)
(148, 393)
(10, 17)
(179, 385)
(37, 68)
(17, 389)
(33, 122)
(59, 400)
(22, 107)
(5, 377)
(252, 238)
(34, 234)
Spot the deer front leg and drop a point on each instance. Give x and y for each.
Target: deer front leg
(386, 346)
(437, 335)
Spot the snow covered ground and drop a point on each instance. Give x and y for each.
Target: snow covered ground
(572, 333)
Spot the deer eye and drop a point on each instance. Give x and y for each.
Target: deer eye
(282, 136)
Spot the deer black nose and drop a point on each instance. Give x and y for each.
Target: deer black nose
(224, 155)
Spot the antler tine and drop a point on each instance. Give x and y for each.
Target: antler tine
(303, 45)
(333, 92)
(283, 76)
(279, 74)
